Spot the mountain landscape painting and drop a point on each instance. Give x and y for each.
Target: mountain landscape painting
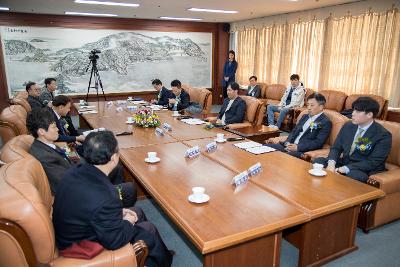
(128, 62)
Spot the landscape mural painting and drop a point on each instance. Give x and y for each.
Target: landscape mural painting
(128, 62)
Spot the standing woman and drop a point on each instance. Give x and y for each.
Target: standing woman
(229, 72)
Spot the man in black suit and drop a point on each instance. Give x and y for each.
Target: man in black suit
(253, 89)
(87, 206)
(55, 160)
(363, 143)
(181, 99)
(311, 131)
(33, 90)
(233, 109)
(163, 93)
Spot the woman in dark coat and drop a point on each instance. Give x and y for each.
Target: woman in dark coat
(229, 72)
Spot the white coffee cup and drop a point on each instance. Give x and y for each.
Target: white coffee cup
(130, 98)
(198, 191)
(220, 137)
(81, 101)
(130, 119)
(318, 166)
(152, 155)
(176, 113)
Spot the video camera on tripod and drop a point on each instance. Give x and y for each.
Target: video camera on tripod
(93, 56)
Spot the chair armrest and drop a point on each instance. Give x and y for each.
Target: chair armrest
(276, 140)
(389, 181)
(324, 152)
(238, 125)
(123, 257)
(212, 119)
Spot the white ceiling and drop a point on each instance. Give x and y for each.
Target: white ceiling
(153, 9)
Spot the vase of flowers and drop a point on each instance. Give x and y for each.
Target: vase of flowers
(146, 118)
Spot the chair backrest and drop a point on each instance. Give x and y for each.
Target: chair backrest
(394, 129)
(23, 94)
(334, 99)
(275, 91)
(16, 148)
(21, 101)
(309, 91)
(200, 95)
(16, 115)
(383, 103)
(253, 106)
(26, 200)
(263, 87)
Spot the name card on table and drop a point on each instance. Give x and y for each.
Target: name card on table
(159, 132)
(167, 127)
(109, 103)
(119, 109)
(211, 146)
(240, 179)
(256, 168)
(192, 152)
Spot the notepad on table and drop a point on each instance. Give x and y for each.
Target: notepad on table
(249, 144)
(260, 149)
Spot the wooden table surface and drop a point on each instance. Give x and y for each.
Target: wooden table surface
(229, 218)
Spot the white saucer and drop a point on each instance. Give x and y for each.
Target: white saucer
(129, 122)
(204, 198)
(220, 141)
(152, 161)
(317, 173)
(176, 115)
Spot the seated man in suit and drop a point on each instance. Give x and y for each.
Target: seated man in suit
(163, 93)
(310, 132)
(254, 89)
(233, 109)
(60, 108)
(55, 160)
(33, 90)
(181, 99)
(363, 143)
(293, 97)
(87, 206)
(47, 96)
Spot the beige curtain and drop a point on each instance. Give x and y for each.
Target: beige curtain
(351, 54)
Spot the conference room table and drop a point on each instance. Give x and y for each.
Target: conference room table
(243, 226)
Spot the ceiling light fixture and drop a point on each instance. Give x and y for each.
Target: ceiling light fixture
(176, 18)
(90, 14)
(212, 10)
(91, 2)
(4, 8)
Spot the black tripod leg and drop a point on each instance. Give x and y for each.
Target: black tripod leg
(90, 81)
(101, 84)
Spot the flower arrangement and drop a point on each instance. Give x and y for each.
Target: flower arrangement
(208, 126)
(146, 118)
(314, 125)
(363, 144)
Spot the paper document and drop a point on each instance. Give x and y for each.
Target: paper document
(193, 121)
(245, 145)
(260, 149)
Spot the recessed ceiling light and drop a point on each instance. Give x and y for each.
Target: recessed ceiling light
(176, 18)
(90, 14)
(105, 3)
(212, 10)
(4, 8)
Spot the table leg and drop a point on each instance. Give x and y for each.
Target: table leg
(262, 252)
(325, 238)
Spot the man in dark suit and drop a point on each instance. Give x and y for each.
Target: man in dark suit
(87, 206)
(181, 99)
(55, 160)
(33, 90)
(253, 89)
(311, 131)
(363, 143)
(47, 96)
(233, 109)
(163, 93)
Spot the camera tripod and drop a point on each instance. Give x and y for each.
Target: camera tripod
(94, 74)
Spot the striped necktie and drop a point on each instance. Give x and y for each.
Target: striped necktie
(358, 135)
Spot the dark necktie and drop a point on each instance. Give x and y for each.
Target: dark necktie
(289, 97)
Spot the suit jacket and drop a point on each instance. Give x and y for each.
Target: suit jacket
(54, 162)
(34, 102)
(256, 91)
(229, 71)
(297, 97)
(87, 207)
(236, 113)
(185, 100)
(45, 97)
(369, 161)
(311, 139)
(63, 135)
(165, 94)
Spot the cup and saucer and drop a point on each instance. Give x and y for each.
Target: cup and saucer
(220, 138)
(176, 114)
(317, 170)
(152, 157)
(198, 195)
(130, 120)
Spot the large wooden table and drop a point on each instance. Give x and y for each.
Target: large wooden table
(243, 228)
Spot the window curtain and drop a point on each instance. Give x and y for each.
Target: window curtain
(351, 54)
